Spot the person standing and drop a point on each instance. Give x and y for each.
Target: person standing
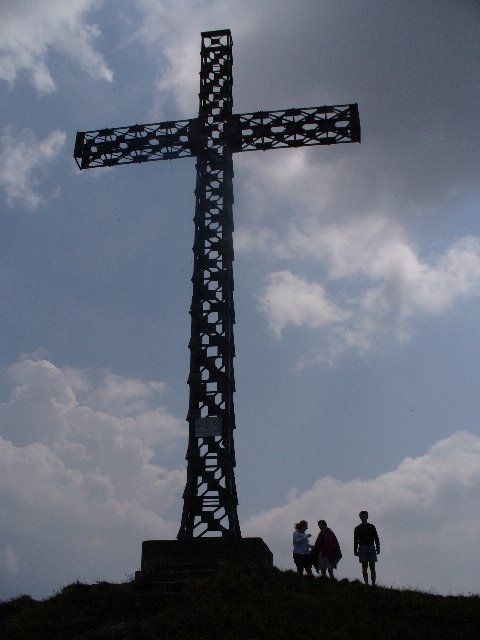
(366, 545)
(301, 548)
(326, 551)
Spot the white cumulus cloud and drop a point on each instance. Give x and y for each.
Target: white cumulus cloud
(426, 512)
(22, 157)
(82, 485)
(30, 31)
(290, 300)
(393, 283)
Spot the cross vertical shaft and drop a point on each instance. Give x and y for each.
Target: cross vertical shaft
(210, 497)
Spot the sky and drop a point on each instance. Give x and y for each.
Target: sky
(357, 286)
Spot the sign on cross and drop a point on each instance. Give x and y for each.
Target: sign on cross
(210, 496)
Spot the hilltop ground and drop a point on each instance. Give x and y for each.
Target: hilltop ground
(242, 603)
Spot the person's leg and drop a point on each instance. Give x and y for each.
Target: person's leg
(308, 566)
(322, 566)
(298, 563)
(365, 572)
(373, 573)
(330, 573)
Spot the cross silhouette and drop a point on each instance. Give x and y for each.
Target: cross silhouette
(210, 496)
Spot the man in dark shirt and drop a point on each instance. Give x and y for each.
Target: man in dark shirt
(366, 545)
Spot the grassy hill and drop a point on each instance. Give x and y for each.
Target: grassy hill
(242, 604)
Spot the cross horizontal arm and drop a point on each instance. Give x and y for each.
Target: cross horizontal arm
(138, 143)
(261, 130)
(265, 130)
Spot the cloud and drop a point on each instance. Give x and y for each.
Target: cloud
(22, 155)
(285, 184)
(289, 300)
(30, 31)
(80, 488)
(372, 283)
(165, 29)
(426, 512)
(106, 391)
(409, 287)
(83, 485)
(163, 26)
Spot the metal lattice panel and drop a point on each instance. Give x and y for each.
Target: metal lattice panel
(298, 127)
(138, 143)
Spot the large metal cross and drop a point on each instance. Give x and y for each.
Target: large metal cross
(210, 497)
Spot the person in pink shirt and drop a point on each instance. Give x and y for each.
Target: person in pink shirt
(326, 551)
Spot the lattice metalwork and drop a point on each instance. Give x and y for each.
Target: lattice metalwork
(138, 143)
(262, 130)
(210, 497)
(297, 127)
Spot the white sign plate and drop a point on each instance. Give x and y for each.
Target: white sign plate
(208, 427)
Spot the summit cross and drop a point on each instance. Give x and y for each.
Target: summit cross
(210, 496)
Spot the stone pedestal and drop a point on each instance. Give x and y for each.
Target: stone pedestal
(170, 565)
(157, 553)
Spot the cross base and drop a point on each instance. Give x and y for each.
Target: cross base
(175, 562)
(156, 553)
